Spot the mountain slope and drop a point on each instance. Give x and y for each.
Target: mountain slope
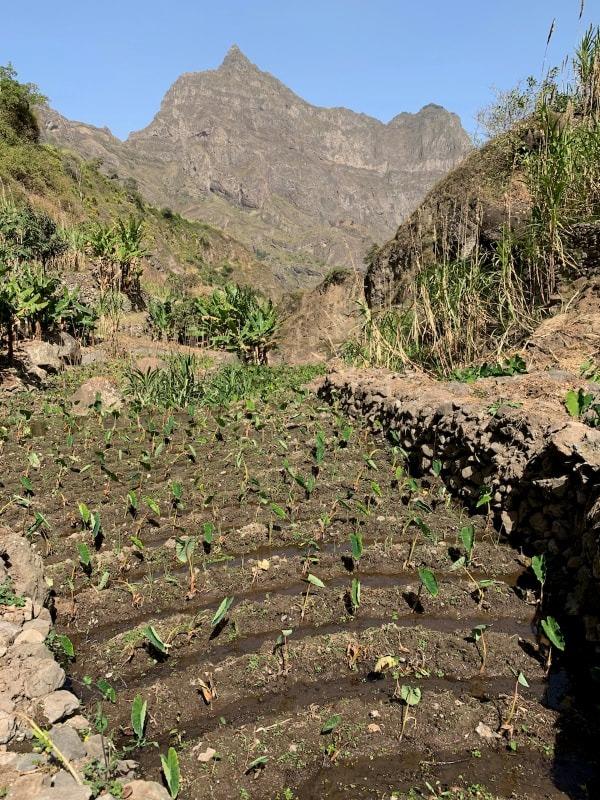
(303, 186)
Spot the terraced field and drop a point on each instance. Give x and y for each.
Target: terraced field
(275, 585)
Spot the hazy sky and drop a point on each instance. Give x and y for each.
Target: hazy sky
(110, 63)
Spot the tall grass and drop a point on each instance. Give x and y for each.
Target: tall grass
(460, 310)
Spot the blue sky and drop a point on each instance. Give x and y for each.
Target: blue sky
(110, 63)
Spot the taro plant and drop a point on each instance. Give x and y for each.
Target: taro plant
(91, 522)
(221, 612)
(155, 641)
(356, 546)
(556, 639)
(409, 697)
(139, 709)
(507, 727)
(185, 547)
(311, 580)
(422, 529)
(478, 636)
(538, 566)
(467, 537)
(171, 771)
(429, 582)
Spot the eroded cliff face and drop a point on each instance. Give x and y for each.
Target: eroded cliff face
(309, 186)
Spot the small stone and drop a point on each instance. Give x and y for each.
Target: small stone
(29, 762)
(485, 732)
(144, 790)
(45, 677)
(27, 787)
(79, 722)
(30, 636)
(39, 624)
(374, 714)
(59, 704)
(207, 755)
(373, 728)
(67, 741)
(96, 746)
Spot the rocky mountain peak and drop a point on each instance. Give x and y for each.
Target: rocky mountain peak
(235, 59)
(306, 186)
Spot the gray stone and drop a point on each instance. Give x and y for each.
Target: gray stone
(26, 567)
(30, 636)
(44, 677)
(69, 350)
(8, 727)
(29, 762)
(68, 742)
(28, 787)
(59, 704)
(43, 354)
(40, 624)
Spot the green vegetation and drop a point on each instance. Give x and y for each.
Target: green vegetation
(232, 318)
(477, 296)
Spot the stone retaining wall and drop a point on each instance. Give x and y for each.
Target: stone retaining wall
(542, 468)
(33, 686)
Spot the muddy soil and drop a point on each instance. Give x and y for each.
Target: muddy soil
(299, 689)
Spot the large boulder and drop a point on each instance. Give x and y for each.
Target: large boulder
(100, 388)
(43, 355)
(69, 350)
(25, 567)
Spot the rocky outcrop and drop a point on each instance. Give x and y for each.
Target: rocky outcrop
(96, 390)
(467, 209)
(236, 147)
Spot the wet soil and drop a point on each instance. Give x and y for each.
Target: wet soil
(272, 494)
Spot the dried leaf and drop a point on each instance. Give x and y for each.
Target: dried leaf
(385, 662)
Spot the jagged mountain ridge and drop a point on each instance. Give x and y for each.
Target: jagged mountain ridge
(306, 186)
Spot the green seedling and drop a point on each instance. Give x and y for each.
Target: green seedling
(155, 641)
(429, 581)
(579, 402)
(91, 521)
(467, 537)
(331, 724)
(85, 557)
(106, 690)
(258, 763)
(221, 611)
(355, 594)
(507, 726)
(538, 566)
(281, 646)
(139, 710)
(436, 467)
(185, 547)
(311, 580)
(176, 496)
(171, 771)
(478, 636)
(208, 533)
(133, 503)
(555, 636)
(356, 545)
(27, 486)
(409, 696)
(152, 505)
(422, 529)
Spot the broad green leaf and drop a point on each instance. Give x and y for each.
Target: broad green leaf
(27, 484)
(356, 543)
(139, 708)
(331, 724)
(522, 680)
(552, 630)
(258, 762)
(278, 511)
(436, 467)
(411, 695)
(467, 537)
(429, 581)
(34, 460)
(84, 554)
(315, 581)
(155, 640)
(132, 500)
(221, 611)
(208, 530)
(136, 542)
(355, 593)
(170, 768)
(104, 578)
(67, 645)
(478, 631)
(84, 513)
(152, 505)
(106, 690)
(184, 548)
(538, 565)
(572, 403)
